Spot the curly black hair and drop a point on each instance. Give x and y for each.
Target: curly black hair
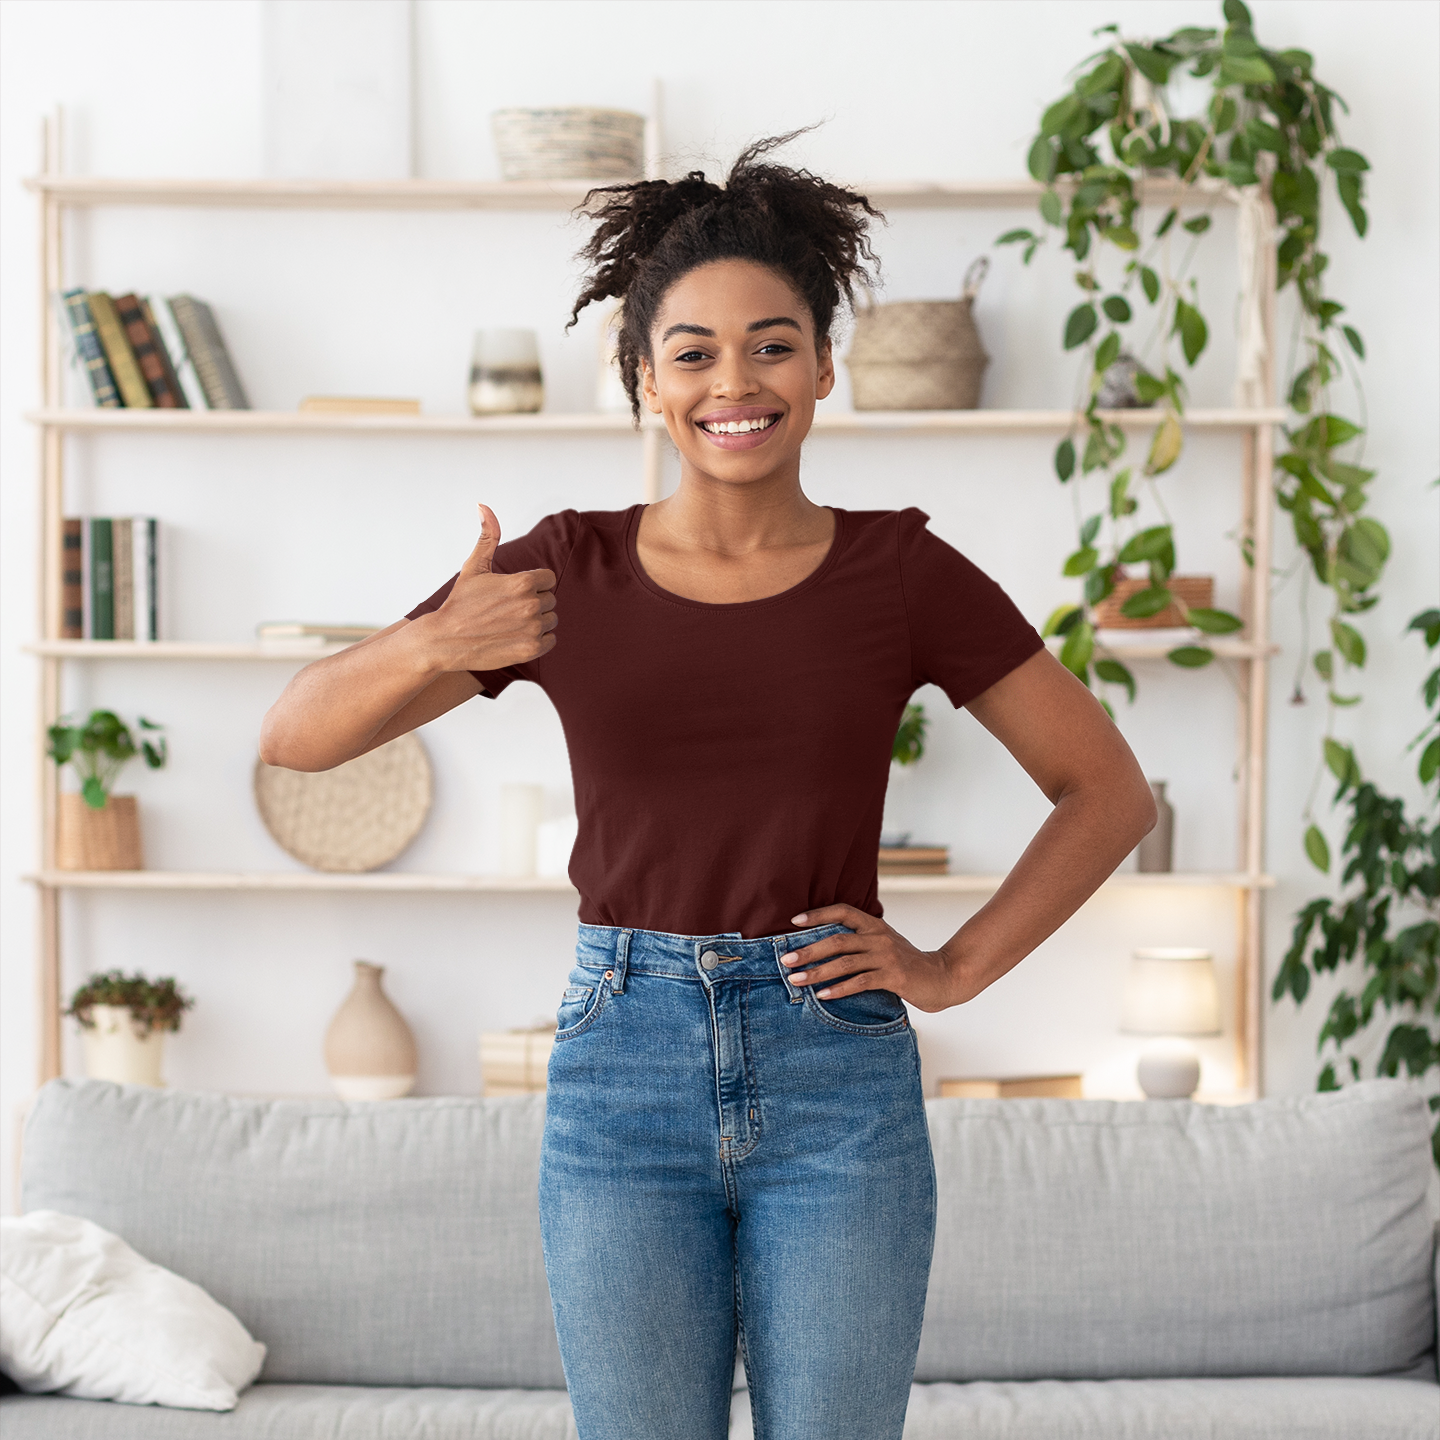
(650, 233)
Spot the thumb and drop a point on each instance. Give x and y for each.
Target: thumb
(482, 556)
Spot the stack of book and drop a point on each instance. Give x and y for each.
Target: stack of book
(514, 1062)
(110, 577)
(313, 637)
(914, 859)
(152, 353)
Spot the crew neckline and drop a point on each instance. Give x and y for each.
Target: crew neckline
(632, 531)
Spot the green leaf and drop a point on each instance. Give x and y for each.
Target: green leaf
(1079, 646)
(1429, 761)
(1149, 388)
(1060, 114)
(1150, 283)
(1349, 642)
(1245, 70)
(1343, 700)
(1090, 529)
(1014, 237)
(93, 793)
(1192, 329)
(1264, 137)
(1081, 561)
(1146, 545)
(1324, 663)
(1318, 849)
(1121, 502)
(1065, 459)
(1169, 219)
(1199, 225)
(1154, 65)
(1165, 447)
(1145, 603)
(1214, 622)
(1236, 13)
(1191, 657)
(1341, 762)
(1051, 209)
(1116, 308)
(1427, 622)
(1123, 236)
(1107, 353)
(1352, 335)
(1366, 545)
(1114, 673)
(1351, 161)
(1080, 325)
(1041, 160)
(1063, 619)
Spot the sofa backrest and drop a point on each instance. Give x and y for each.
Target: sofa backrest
(395, 1243)
(1098, 1239)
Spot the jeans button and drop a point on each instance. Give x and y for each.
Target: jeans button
(709, 960)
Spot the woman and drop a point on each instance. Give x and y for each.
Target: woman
(735, 1145)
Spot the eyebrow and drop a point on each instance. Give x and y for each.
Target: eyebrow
(749, 329)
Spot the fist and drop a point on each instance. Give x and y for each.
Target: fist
(489, 621)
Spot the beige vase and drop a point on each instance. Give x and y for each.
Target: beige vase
(369, 1050)
(89, 839)
(116, 1049)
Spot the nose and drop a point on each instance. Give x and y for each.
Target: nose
(734, 379)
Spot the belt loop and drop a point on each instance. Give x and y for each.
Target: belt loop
(621, 962)
(796, 995)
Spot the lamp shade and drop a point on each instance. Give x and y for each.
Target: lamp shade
(1171, 991)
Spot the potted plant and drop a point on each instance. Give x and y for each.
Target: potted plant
(98, 830)
(909, 746)
(123, 1020)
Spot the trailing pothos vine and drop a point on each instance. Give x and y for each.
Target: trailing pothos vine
(1269, 128)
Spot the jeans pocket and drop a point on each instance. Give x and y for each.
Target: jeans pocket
(579, 1007)
(871, 1012)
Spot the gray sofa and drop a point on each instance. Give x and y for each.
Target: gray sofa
(1101, 1270)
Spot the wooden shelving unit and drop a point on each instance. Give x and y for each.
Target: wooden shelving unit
(1248, 653)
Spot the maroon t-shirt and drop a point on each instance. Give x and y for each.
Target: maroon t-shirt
(730, 761)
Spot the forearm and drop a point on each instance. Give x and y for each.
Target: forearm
(1089, 832)
(342, 706)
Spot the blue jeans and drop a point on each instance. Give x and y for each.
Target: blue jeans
(728, 1157)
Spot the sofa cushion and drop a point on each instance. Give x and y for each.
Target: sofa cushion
(1097, 1239)
(395, 1243)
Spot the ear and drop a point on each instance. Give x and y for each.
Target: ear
(648, 392)
(825, 373)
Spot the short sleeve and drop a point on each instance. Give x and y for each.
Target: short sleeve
(547, 547)
(965, 631)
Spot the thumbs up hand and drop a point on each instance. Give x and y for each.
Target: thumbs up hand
(489, 621)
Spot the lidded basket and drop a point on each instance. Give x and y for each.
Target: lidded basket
(919, 354)
(569, 143)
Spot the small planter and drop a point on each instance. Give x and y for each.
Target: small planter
(569, 143)
(1196, 592)
(105, 839)
(116, 1049)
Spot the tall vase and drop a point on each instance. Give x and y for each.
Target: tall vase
(369, 1050)
(1154, 854)
(115, 1049)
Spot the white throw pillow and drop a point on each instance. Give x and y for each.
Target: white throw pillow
(82, 1313)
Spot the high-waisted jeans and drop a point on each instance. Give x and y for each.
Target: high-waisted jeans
(728, 1157)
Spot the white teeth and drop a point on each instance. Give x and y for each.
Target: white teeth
(737, 427)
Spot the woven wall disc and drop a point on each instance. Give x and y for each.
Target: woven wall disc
(358, 816)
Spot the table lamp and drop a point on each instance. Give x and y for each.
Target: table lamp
(1170, 992)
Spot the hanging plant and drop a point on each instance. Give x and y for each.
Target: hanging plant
(1269, 127)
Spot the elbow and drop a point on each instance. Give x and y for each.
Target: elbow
(1145, 811)
(279, 749)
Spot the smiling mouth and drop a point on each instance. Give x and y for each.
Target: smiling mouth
(738, 427)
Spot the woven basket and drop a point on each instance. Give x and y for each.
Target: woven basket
(574, 143)
(358, 816)
(1196, 592)
(90, 839)
(919, 354)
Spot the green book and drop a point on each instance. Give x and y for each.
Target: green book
(102, 579)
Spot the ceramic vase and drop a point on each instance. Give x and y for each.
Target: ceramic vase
(1154, 854)
(116, 1049)
(505, 374)
(369, 1050)
(105, 839)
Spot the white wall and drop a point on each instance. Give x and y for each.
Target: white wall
(341, 529)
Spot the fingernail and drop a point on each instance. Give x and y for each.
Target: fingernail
(797, 919)
(823, 994)
(798, 979)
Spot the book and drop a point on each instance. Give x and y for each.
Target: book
(134, 392)
(122, 539)
(162, 351)
(293, 633)
(914, 860)
(1020, 1087)
(143, 341)
(72, 579)
(358, 405)
(146, 570)
(102, 580)
(157, 310)
(89, 350)
(221, 384)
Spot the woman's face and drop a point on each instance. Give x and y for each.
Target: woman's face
(736, 371)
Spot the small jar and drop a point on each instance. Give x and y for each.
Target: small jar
(505, 373)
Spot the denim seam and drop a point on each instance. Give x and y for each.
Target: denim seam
(602, 993)
(752, 1090)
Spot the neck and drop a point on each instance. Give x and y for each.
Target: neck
(733, 519)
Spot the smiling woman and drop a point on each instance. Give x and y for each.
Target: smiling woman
(735, 1140)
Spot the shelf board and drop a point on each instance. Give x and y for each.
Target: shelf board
(827, 422)
(1157, 644)
(176, 650)
(401, 882)
(91, 190)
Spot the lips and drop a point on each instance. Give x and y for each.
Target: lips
(740, 427)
